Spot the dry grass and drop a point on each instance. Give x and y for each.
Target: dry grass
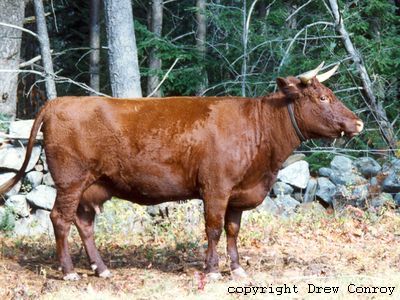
(166, 259)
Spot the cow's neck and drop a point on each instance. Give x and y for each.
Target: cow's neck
(282, 139)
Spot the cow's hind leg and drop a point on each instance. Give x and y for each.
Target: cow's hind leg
(232, 227)
(214, 209)
(62, 216)
(85, 223)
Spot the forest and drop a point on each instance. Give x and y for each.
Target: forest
(210, 48)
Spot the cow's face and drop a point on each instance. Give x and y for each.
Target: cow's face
(318, 112)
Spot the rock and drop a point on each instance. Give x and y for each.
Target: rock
(292, 159)
(367, 166)
(296, 174)
(4, 178)
(397, 199)
(286, 205)
(381, 200)
(36, 224)
(39, 168)
(326, 172)
(269, 206)
(12, 157)
(298, 196)
(44, 161)
(18, 205)
(341, 164)
(373, 181)
(391, 184)
(311, 190)
(22, 129)
(42, 196)
(325, 189)
(34, 178)
(347, 179)
(48, 180)
(281, 188)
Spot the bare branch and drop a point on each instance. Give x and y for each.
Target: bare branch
(297, 10)
(20, 28)
(163, 79)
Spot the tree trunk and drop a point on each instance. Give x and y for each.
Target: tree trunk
(122, 51)
(201, 42)
(375, 106)
(47, 62)
(11, 12)
(94, 68)
(155, 62)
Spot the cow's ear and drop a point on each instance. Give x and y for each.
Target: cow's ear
(289, 88)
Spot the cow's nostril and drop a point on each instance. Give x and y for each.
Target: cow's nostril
(359, 125)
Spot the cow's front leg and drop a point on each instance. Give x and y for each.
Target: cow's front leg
(214, 209)
(84, 221)
(232, 227)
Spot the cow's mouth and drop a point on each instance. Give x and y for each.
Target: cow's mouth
(357, 127)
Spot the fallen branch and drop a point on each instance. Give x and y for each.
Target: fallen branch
(20, 28)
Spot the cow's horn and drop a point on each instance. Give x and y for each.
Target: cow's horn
(307, 76)
(325, 76)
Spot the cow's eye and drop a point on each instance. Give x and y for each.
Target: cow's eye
(324, 99)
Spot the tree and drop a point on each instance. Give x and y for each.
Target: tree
(122, 50)
(376, 107)
(156, 20)
(11, 12)
(44, 42)
(201, 41)
(94, 68)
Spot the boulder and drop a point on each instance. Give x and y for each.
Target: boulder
(12, 157)
(296, 174)
(18, 205)
(48, 180)
(341, 164)
(381, 200)
(7, 176)
(311, 190)
(391, 184)
(34, 178)
(269, 206)
(22, 129)
(286, 205)
(325, 189)
(37, 224)
(367, 166)
(42, 196)
(326, 172)
(397, 199)
(281, 188)
(292, 159)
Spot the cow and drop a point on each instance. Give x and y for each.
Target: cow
(224, 150)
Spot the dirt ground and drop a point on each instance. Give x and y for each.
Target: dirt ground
(357, 252)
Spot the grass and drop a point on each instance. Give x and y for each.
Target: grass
(164, 259)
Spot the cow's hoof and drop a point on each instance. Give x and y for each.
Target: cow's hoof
(214, 276)
(105, 274)
(239, 274)
(72, 277)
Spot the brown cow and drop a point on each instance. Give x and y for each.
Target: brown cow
(224, 150)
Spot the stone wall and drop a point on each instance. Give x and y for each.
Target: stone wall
(360, 182)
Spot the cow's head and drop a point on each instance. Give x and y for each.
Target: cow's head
(318, 113)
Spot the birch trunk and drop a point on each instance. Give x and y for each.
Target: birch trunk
(47, 62)
(122, 51)
(375, 106)
(156, 20)
(94, 67)
(11, 12)
(201, 41)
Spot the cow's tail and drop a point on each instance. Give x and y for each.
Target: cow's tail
(5, 187)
